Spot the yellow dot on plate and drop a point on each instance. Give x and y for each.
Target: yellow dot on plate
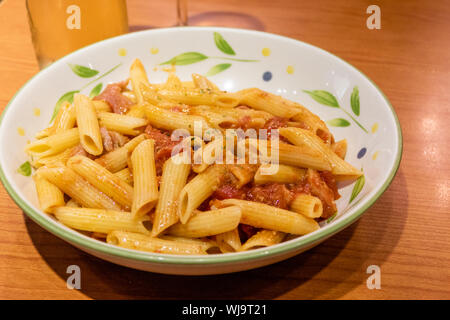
(21, 131)
(122, 52)
(265, 52)
(375, 127)
(290, 69)
(154, 50)
(37, 112)
(375, 155)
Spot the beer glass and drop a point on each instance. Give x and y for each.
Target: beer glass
(59, 27)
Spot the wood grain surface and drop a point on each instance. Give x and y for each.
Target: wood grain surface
(406, 232)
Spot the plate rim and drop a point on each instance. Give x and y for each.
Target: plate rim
(79, 240)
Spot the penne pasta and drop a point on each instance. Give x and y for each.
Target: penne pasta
(261, 215)
(88, 126)
(302, 157)
(65, 119)
(145, 184)
(99, 220)
(308, 141)
(60, 158)
(101, 106)
(265, 101)
(77, 188)
(170, 120)
(49, 195)
(194, 96)
(138, 76)
(263, 238)
(142, 242)
(229, 241)
(122, 123)
(205, 243)
(202, 82)
(208, 223)
(54, 144)
(284, 174)
(116, 160)
(340, 148)
(174, 177)
(125, 175)
(198, 190)
(171, 173)
(103, 180)
(307, 205)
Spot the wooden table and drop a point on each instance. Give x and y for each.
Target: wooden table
(406, 232)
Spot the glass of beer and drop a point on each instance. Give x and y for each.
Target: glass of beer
(59, 27)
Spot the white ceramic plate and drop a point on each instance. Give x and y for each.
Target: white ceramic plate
(277, 64)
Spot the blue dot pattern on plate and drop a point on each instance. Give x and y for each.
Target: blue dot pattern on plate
(361, 153)
(267, 76)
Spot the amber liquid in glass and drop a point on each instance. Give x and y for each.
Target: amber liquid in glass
(59, 27)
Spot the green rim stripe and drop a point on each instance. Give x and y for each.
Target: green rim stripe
(89, 243)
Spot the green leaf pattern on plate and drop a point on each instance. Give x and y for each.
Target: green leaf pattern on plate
(217, 69)
(96, 90)
(323, 97)
(186, 58)
(25, 169)
(331, 218)
(223, 45)
(68, 96)
(354, 101)
(82, 71)
(328, 99)
(338, 122)
(357, 188)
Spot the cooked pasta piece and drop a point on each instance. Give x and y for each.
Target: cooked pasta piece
(208, 223)
(307, 205)
(103, 180)
(49, 195)
(116, 160)
(205, 243)
(65, 119)
(340, 148)
(61, 158)
(144, 178)
(101, 106)
(88, 126)
(302, 157)
(54, 144)
(229, 241)
(263, 238)
(198, 190)
(261, 215)
(99, 220)
(306, 140)
(202, 82)
(122, 123)
(194, 96)
(125, 175)
(174, 177)
(173, 82)
(142, 242)
(77, 188)
(284, 174)
(265, 101)
(138, 76)
(170, 120)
